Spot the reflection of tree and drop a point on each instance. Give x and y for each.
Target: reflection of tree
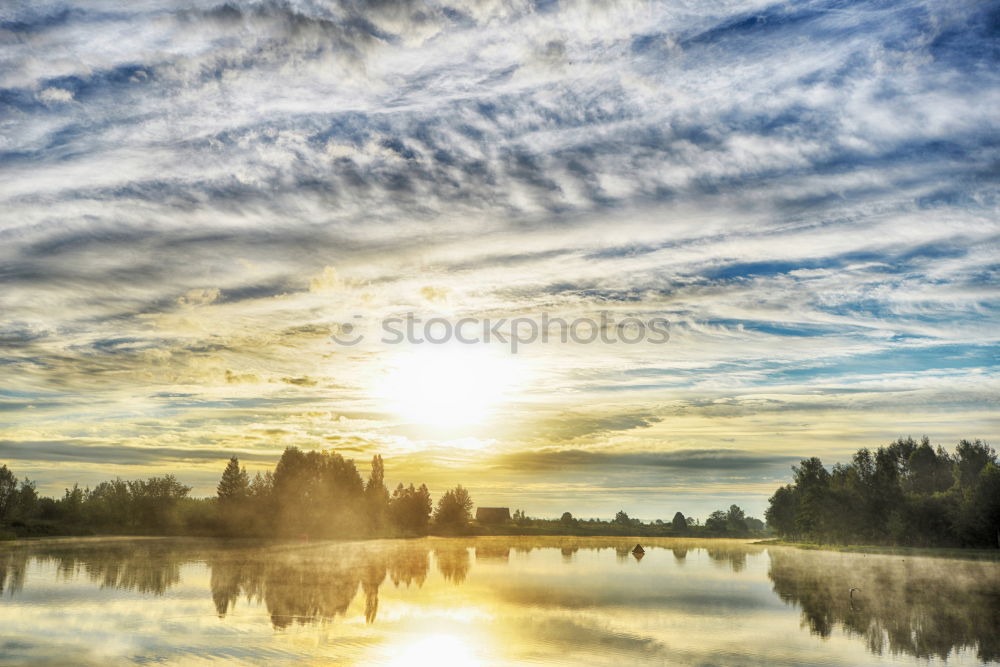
(304, 591)
(319, 583)
(143, 566)
(452, 562)
(227, 582)
(737, 558)
(680, 553)
(13, 565)
(408, 564)
(567, 553)
(371, 578)
(493, 552)
(922, 607)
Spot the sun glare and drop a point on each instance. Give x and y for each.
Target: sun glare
(447, 386)
(441, 650)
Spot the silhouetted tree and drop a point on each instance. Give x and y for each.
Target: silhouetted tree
(983, 523)
(376, 495)
(904, 493)
(622, 519)
(780, 513)
(929, 471)
(155, 503)
(234, 487)
(72, 504)
(812, 481)
(109, 506)
(970, 459)
(410, 509)
(454, 509)
(8, 492)
(736, 520)
(262, 486)
(716, 522)
(679, 523)
(318, 494)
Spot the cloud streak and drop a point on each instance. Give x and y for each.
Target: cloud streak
(193, 198)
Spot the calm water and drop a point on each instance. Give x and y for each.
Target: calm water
(488, 601)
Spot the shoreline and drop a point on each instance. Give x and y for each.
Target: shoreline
(966, 553)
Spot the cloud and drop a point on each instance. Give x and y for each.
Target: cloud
(199, 297)
(570, 425)
(55, 96)
(193, 200)
(707, 460)
(300, 381)
(79, 452)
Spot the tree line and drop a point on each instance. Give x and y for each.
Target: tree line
(907, 493)
(308, 494)
(721, 523)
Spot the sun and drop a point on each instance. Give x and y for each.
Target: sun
(447, 386)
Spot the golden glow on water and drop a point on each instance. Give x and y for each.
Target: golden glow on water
(438, 649)
(488, 601)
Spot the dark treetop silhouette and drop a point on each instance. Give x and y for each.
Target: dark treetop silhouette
(907, 493)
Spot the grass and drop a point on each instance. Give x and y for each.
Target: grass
(930, 552)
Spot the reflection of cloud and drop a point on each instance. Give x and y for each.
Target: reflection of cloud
(729, 602)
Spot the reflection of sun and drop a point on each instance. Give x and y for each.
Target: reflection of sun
(446, 385)
(440, 650)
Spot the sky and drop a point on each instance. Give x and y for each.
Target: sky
(200, 202)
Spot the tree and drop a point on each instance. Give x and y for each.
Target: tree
(234, 487)
(262, 486)
(985, 515)
(454, 509)
(567, 519)
(716, 522)
(317, 494)
(155, 502)
(622, 519)
(780, 513)
(109, 506)
(27, 500)
(8, 492)
(970, 459)
(904, 493)
(72, 504)
(811, 481)
(376, 495)
(928, 471)
(736, 520)
(679, 523)
(410, 509)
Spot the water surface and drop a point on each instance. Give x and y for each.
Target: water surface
(489, 601)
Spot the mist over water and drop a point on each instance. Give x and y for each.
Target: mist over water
(489, 601)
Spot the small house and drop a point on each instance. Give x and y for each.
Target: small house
(492, 514)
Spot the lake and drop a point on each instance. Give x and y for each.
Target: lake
(456, 601)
